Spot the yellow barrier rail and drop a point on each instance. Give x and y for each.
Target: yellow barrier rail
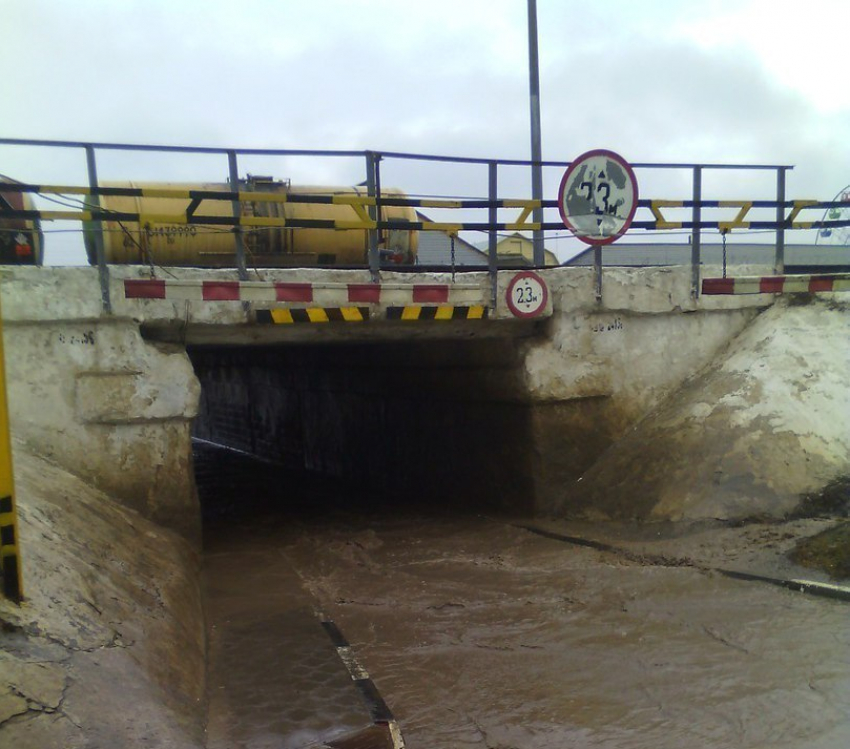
(362, 205)
(10, 556)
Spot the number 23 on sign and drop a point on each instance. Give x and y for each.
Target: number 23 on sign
(527, 295)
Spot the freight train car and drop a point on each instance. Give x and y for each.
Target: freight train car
(212, 246)
(21, 240)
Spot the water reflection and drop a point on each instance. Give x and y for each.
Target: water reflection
(479, 633)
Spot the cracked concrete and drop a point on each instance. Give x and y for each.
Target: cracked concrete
(108, 648)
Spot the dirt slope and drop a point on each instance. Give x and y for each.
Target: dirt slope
(107, 650)
(768, 422)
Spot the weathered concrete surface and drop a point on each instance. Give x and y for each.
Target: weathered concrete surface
(87, 392)
(108, 648)
(601, 367)
(645, 290)
(512, 420)
(646, 335)
(115, 408)
(764, 424)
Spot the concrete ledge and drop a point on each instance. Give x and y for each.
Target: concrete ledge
(129, 397)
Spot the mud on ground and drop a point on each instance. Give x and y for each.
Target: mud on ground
(767, 548)
(107, 650)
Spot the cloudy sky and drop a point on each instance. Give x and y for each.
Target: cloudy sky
(743, 81)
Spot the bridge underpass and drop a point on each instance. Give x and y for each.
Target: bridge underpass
(477, 631)
(333, 437)
(429, 422)
(320, 438)
(455, 615)
(413, 548)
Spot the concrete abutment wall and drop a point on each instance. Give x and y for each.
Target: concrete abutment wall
(113, 409)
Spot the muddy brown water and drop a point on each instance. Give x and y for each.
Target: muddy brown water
(481, 634)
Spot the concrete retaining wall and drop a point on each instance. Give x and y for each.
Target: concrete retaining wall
(601, 366)
(88, 393)
(761, 427)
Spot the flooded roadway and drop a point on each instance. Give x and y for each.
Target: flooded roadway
(479, 633)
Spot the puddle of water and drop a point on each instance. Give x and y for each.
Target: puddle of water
(478, 633)
(274, 677)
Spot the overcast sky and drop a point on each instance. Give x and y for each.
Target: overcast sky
(758, 81)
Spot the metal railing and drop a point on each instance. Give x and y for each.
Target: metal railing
(368, 207)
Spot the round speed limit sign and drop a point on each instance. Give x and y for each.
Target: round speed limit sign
(527, 294)
(598, 197)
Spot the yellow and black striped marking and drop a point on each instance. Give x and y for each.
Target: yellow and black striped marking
(440, 312)
(313, 314)
(10, 560)
(12, 587)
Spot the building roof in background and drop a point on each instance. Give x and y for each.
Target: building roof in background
(435, 248)
(797, 256)
(517, 250)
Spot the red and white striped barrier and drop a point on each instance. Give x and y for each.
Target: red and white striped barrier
(776, 284)
(309, 294)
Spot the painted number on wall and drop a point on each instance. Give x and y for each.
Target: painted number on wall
(602, 327)
(85, 338)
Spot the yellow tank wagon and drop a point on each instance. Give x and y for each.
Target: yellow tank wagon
(213, 246)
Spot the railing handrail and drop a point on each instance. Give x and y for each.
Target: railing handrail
(369, 215)
(188, 216)
(102, 146)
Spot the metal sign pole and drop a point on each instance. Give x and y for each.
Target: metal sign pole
(536, 147)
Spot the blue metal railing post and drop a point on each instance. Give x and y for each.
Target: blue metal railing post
(696, 250)
(238, 237)
(493, 240)
(779, 261)
(374, 255)
(97, 238)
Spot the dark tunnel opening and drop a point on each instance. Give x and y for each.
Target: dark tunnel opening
(387, 427)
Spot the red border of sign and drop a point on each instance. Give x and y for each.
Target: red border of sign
(576, 163)
(509, 297)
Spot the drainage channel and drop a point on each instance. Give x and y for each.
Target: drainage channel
(478, 632)
(279, 673)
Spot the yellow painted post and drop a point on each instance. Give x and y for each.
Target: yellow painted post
(10, 556)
